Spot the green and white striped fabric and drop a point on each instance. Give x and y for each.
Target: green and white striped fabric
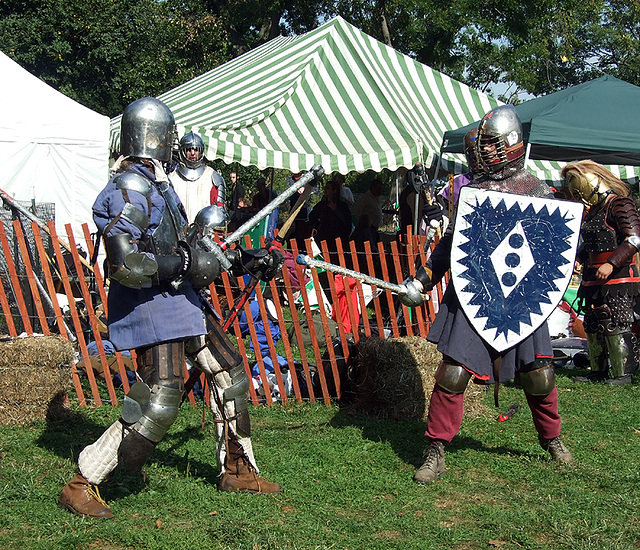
(546, 170)
(333, 96)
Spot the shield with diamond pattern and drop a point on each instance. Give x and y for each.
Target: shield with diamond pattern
(512, 259)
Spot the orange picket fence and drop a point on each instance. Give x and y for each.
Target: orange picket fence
(295, 336)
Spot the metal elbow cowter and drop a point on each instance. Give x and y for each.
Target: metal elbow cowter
(127, 266)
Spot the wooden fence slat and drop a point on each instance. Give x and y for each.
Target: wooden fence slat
(100, 285)
(360, 291)
(423, 258)
(31, 276)
(296, 323)
(272, 348)
(74, 314)
(376, 302)
(312, 334)
(388, 294)
(407, 313)
(6, 308)
(337, 309)
(347, 282)
(15, 283)
(226, 282)
(256, 348)
(419, 311)
(285, 338)
(93, 320)
(44, 262)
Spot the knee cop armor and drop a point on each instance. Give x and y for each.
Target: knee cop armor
(538, 378)
(452, 377)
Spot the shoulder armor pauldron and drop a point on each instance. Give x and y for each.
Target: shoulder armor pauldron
(130, 181)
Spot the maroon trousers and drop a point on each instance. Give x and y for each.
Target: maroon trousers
(446, 409)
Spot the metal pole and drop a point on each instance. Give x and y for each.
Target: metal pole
(303, 259)
(316, 171)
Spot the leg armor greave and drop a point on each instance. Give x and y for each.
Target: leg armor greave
(228, 383)
(151, 407)
(597, 352)
(452, 377)
(623, 353)
(538, 378)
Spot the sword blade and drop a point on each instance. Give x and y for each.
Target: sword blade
(316, 171)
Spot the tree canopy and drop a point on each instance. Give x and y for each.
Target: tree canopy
(106, 53)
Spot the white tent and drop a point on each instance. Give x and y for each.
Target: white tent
(52, 149)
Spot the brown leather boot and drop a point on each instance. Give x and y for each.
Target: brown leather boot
(83, 499)
(241, 476)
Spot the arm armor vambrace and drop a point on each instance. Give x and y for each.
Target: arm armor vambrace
(626, 217)
(135, 269)
(539, 379)
(151, 411)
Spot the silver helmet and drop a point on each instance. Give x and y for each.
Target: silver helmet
(208, 221)
(191, 170)
(500, 144)
(147, 130)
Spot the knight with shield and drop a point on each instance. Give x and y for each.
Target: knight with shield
(511, 250)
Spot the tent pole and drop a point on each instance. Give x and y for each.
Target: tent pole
(432, 182)
(526, 155)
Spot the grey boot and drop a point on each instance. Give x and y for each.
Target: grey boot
(433, 466)
(557, 449)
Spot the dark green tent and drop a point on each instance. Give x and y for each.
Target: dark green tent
(597, 120)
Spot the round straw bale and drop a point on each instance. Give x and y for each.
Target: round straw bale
(395, 377)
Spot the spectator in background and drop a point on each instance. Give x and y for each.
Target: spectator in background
(236, 201)
(331, 218)
(345, 192)
(369, 205)
(263, 195)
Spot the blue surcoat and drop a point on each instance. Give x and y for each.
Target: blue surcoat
(140, 317)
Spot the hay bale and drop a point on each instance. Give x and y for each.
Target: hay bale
(35, 377)
(396, 377)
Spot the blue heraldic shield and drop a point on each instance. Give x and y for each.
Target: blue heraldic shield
(512, 260)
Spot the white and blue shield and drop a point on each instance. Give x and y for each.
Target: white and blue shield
(512, 258)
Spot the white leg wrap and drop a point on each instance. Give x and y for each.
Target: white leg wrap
(97, 461)
(219, 380)
(218, 384)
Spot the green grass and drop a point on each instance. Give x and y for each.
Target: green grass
(347, 483)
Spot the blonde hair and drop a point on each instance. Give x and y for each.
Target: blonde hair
(584, 167)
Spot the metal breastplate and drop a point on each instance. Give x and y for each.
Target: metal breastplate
(170, 230)
(164, 237)
(597, 235)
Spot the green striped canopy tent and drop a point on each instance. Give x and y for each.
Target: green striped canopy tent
(333, 96)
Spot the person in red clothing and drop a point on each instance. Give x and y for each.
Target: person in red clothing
(465, 354)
